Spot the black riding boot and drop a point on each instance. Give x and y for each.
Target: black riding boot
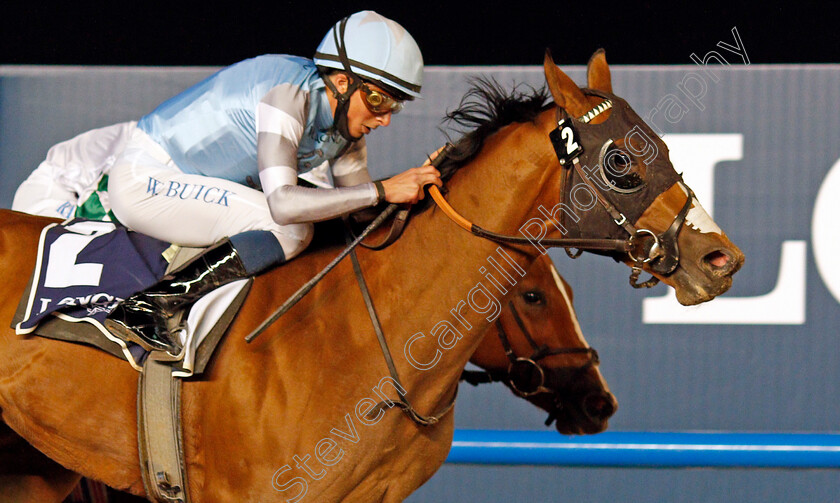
(154, 317)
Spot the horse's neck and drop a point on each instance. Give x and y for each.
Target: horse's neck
(435, 277)
(498, 189)
(319, 368)
(440, 274)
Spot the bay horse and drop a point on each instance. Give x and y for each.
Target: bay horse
(309, 410)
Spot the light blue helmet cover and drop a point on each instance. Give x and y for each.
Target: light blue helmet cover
(377, 49)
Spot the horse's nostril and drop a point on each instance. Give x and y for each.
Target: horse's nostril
(599, 406)
(717, 259)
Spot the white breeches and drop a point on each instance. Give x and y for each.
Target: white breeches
(71, 171)
(39, 194)
(149, 194)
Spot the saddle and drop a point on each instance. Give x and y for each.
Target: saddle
(78, 318)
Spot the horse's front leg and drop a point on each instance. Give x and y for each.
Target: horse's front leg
(27, 475)
(51, 487)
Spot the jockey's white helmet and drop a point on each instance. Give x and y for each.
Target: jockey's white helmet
(376, 49)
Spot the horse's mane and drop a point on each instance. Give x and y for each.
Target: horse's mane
(486, 108)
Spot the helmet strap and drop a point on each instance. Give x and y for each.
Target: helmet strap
(343, 99)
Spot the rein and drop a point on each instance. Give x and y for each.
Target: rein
(396, 231)
(403, 402)
(309, 285)
(618, 245)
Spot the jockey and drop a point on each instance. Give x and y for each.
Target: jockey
(219, 164)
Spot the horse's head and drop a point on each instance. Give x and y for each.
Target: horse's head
(536, 348)
(619, 181)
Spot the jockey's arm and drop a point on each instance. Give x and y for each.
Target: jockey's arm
(280, 124)
(279, 130)
(406, 187)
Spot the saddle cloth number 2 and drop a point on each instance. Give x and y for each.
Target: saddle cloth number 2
(62, 269)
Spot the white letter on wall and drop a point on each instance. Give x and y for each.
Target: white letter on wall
(697, 156)
(824, 237)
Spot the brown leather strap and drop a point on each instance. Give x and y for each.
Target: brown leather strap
(403, 402)
(380, 191)
(619, 245)
(616, 215)
(160, 444)
(302, 291)
(397, 228)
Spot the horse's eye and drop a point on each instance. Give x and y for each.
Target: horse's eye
(533, 297)
(619, 162)
(617, 170)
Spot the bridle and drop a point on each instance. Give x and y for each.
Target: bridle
(525, 376)
(644, 247)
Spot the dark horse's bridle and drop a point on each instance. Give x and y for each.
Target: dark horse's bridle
(525, 376)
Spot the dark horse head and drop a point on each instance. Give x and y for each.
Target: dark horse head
(537, 349)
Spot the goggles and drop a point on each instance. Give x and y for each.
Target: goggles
(378, 102)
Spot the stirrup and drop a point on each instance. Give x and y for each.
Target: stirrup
(172, 347)
(153, 318)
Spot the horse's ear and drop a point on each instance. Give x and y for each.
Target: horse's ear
(565, 92)
(598, 72)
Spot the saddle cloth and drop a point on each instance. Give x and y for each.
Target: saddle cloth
(85, 267)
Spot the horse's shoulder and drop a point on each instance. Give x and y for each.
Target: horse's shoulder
(16, 223)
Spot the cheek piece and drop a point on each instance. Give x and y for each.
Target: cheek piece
(340, 118)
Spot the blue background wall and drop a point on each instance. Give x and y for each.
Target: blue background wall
(765, 357)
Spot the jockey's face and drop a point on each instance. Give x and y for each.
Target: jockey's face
(360, 119)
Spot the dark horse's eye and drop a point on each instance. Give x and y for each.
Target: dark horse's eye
(617, 169)
(533, 297)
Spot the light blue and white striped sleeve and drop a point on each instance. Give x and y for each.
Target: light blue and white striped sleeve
(351, 168)
(281, 115)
